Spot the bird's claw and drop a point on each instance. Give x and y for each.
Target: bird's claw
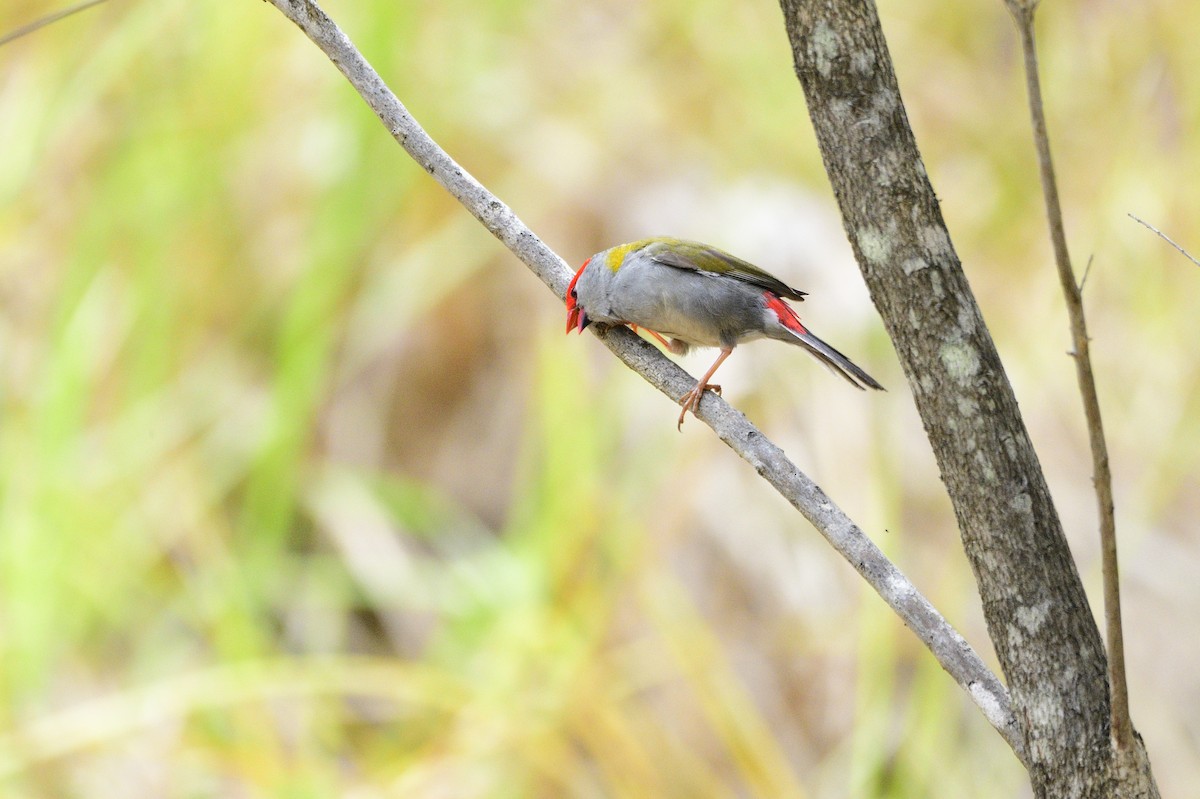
(691, 401)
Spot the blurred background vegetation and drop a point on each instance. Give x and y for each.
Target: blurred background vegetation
(304, 493)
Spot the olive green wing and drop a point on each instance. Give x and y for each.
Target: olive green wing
(697, 257)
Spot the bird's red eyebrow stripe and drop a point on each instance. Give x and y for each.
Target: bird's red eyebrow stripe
(787, 316)
(575, 279)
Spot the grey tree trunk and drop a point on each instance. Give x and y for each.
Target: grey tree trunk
(1037, 613)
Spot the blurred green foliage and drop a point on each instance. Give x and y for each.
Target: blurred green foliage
(303, 493)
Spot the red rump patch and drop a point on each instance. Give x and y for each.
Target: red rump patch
(787, 317)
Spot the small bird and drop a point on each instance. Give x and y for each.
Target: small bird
(687, 294)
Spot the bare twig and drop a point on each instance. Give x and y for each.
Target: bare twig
(954, 654)
(47, 20)
(1087, 270)
(1165, 238)
(1121, 726)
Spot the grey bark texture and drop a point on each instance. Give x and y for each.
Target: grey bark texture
(1036, 610)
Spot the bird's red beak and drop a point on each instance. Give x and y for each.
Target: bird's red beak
(576, 318)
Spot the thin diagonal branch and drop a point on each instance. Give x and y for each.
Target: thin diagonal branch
(1165, 238)
(42, 22)
(954, 654)
(1121, 726)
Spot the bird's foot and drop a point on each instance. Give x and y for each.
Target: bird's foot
(691, 400)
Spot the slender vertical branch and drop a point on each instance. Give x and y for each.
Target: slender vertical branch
(1122, 728)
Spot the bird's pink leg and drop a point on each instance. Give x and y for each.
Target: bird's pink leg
(691, 400)
(658, 336)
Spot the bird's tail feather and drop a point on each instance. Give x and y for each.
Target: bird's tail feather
(836, 362)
